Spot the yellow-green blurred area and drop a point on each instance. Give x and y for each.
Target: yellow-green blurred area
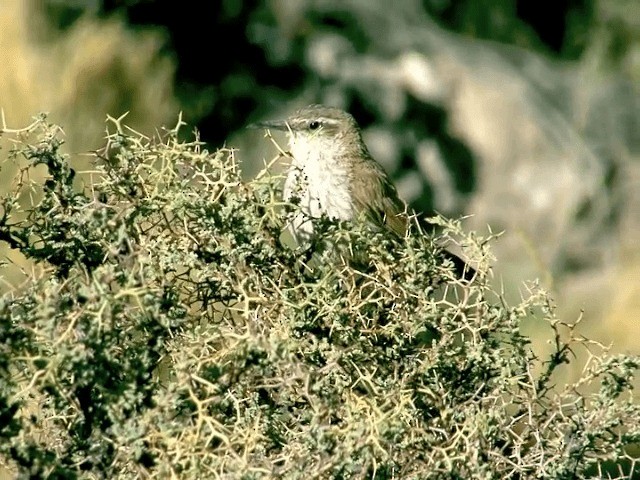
(468, 105)
(78, 76)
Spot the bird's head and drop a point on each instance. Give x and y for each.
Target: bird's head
(318, 129)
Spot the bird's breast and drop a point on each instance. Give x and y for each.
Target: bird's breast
(321, 184)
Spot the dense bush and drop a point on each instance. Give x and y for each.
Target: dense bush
(172, 332)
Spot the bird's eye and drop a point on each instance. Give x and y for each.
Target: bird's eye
(314, 125)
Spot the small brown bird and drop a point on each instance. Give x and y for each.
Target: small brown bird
(333, 173)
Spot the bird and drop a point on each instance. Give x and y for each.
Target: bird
(332, 173)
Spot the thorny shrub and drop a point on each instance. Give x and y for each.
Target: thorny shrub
(171, 331)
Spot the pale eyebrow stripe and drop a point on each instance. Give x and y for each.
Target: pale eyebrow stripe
(329, 121)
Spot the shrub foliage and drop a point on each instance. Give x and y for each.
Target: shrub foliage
(169, 330)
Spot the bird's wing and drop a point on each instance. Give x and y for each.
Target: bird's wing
(374, 195)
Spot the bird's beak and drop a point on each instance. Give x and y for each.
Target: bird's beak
(271, 124)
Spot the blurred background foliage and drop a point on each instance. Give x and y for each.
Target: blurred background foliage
(523, 114)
